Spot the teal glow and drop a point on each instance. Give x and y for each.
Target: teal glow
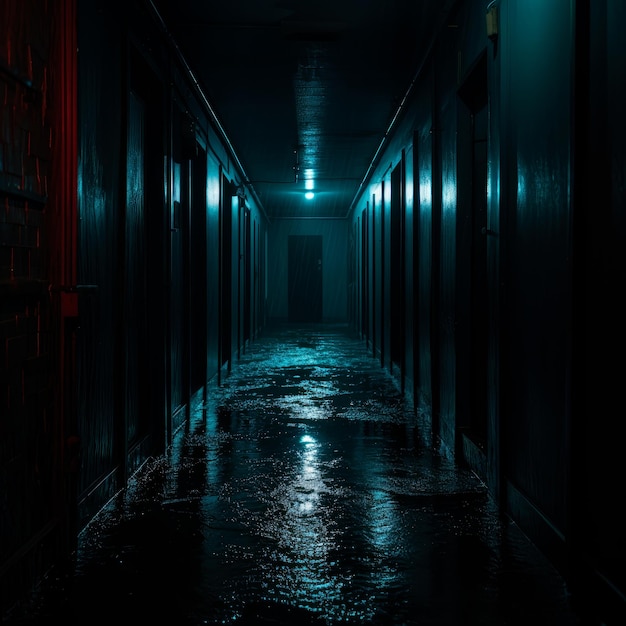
(309, 195)
(309, 183)
(176, 182)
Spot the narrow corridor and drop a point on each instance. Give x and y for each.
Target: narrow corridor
(305, 491)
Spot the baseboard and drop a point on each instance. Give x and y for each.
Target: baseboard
(536, 526)
(474, 456)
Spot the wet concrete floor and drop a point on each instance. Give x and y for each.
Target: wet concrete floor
(306, 490)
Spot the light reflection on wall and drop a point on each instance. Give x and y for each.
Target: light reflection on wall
(92, 198)
(375, 190)
(425, 192)
(213, 187)
(134, 161)
(408, 191)
(448, 195)
(176, 183)
(521, 187)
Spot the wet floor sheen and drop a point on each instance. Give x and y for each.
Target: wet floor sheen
(305, 491)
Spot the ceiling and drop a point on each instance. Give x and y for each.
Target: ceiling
(304, 89)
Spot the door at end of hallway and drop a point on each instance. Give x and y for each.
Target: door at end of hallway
(305, 278)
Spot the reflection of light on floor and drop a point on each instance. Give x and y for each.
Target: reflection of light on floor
(304, 539)
(306, 533)
(306, 408)
(381, 514)
(384, 529)
(309, 481)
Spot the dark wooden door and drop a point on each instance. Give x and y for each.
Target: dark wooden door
(305, 278)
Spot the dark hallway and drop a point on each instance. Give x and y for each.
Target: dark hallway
(306, 490)
(312, 310)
